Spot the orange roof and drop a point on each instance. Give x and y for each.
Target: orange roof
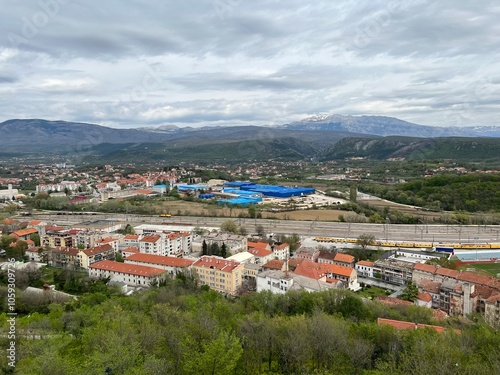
(260, 252)
(339, 270)
(345, 258)
(108, 240)
(97, 250)
(151, 238)
(275, 264)
(282, 246)
(131, 237)
(35, 222)
(258, 245)
(132, 269)
(210, 261)
(160, 260)
(426, 297)
(425, 268)
(24, 232)
(448, 272)
(311, 270)
(494, 298)
(365, 263)
(8, 221)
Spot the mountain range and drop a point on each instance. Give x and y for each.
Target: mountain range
(321, 137)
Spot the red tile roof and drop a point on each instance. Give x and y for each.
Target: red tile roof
(311, 270)
(260, 252)
(210, 261)
(67, 250)
(151, 238)
(132, 269)
(24, 232)
(159, 260)
(425, 268)
(131, 237)
(426, 297)
(345, 258)
(448, 272)
(275, 264)
(281, 247)
(97, 250)
(365, 263)
(35, 222)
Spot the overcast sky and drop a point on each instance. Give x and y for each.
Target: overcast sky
(234, 62)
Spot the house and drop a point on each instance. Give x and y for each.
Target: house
(130, 274)
(281, 251)
(274, 264)
(23, 234)
(35, 254)
(95, 254)
(128, 251)
(492, 310)
(57, 237)
(234, 243)
(364, 268)
(280, 282)
(64, 257)
(167, 263)
(222, 275)
(113, 242)
(328, 273)
(261, 255)
(307, 253)
(344, 260)
(424, 299)
(326, 256)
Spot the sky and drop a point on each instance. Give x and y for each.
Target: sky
(262, 62)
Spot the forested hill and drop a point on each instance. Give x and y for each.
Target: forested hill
(470, 192)
(459, 149)
(184, 330)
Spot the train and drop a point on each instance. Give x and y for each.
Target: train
(418, 245)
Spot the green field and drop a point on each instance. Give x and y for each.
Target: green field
(490, 268)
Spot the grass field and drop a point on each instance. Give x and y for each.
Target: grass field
(492, 269)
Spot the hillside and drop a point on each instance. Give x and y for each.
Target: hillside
(387, 126)
(460, 149)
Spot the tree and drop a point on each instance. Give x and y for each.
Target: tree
(243, 231)
(365, 239)
(129, 229)
(229, 226)
(410, 292)
(35, 237)
(119, 257)
(260, 231)
(353, 193)
(252, 211)
(214, 249)
(219, 356)
(204, 248)
(223, 250)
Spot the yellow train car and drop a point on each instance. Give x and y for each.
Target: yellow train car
(406, 244)
(495, 245)
(425, 245)
(475, 246)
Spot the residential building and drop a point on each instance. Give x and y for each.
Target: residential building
(131, 274)
(326, 256)
(151, 244)
(23, 234)
(261, 254)
(95, 254)
(57, 237)
(222, 275)
(234, 243)
(167, 263)
(307, 253)
(492, 310)
(131, 240)
(393, 271)
(281, 251)
(344, 260)
(64, 257)
(364, 268)
(328, 273)
(280, 282)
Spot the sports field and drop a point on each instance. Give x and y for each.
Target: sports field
(492, 269)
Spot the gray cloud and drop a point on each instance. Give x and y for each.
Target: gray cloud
(238, 62)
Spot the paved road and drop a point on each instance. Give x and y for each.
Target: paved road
(397, 232)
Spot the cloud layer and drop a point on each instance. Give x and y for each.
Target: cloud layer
(233, 62)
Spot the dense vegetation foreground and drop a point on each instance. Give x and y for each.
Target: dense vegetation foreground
(181, 329)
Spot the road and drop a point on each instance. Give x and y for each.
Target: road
(395, 232)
